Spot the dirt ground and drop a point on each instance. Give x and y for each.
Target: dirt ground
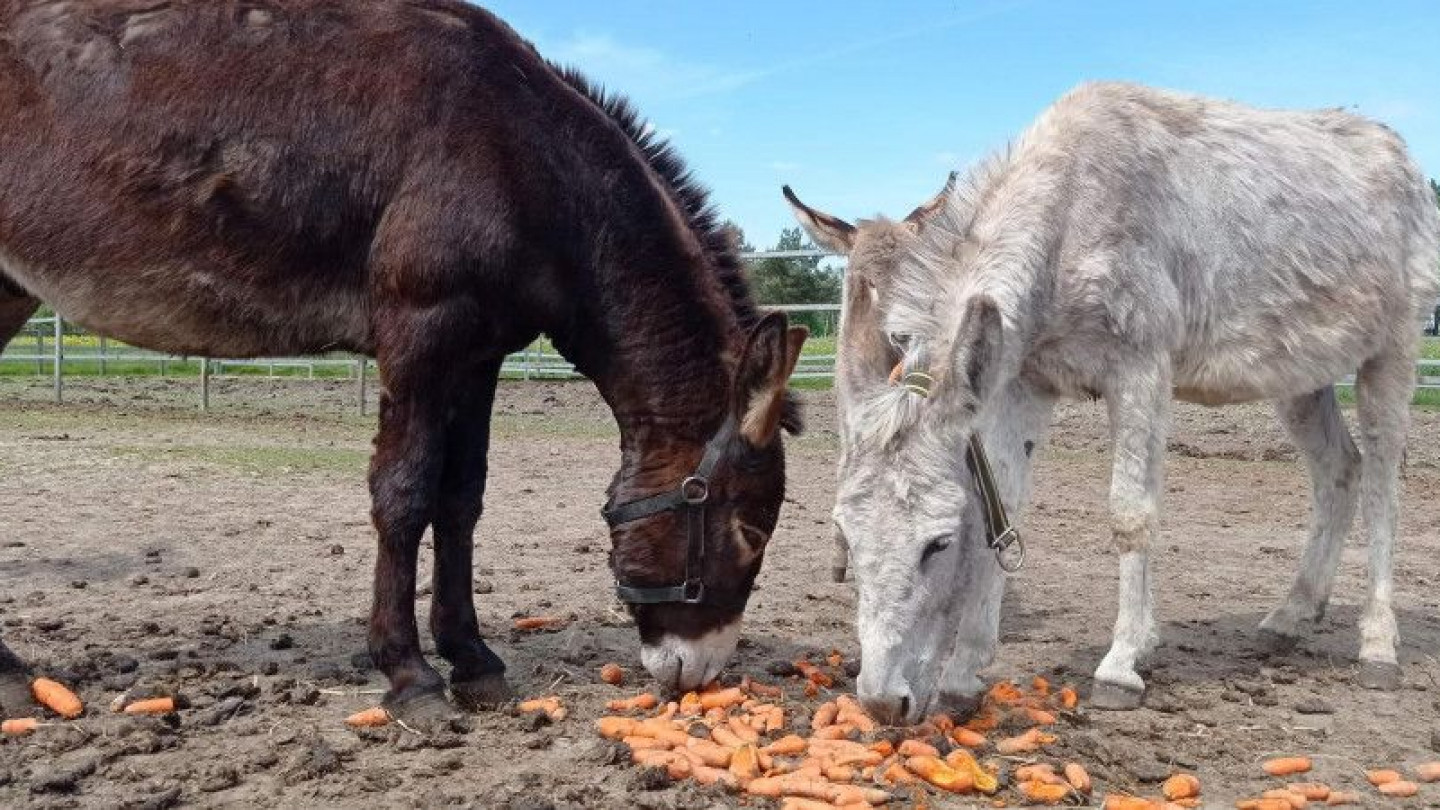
(227, 557)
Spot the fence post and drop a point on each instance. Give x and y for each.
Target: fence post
(360, 385)
(204, 384)
(59, 359)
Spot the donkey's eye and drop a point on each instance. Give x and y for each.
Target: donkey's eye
(935, 546)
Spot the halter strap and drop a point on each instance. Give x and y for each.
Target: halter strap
(690, 497)
(1000, 536)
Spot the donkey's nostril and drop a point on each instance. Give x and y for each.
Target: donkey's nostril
(905, 706)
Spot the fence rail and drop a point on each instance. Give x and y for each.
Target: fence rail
(52, 346)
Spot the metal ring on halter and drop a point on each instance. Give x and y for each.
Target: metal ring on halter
(1010, 551)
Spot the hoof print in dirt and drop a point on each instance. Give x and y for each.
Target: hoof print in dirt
(63, 776)
(1115, 698)
(1379, 675)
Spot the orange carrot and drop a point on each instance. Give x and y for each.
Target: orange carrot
(1004, 692)
(898, 774)
(19, 726)
(1378, 778)
(1040, 686)
(841, 731)
(966, 737)
(1428, 772)
(57, 698)
(369, 718)
(760, 689)
(942, 722)
(1078, 778)
(638, 743)
(1400, 788)
(1338, 798)
(1295, 800)
(641, 702)
(824, 715)
(614, 728)
(1024, 743)
(539, 623)
(1312, 791)
(1039, 772)
(745, 763)
(791, 785)
(549, 705)
(917, 748)
(1270, 803)
(706, 775)
(722, 699)
(1286, 766)
(814, 674)
(835, 659)
(964, 761)
(724, 736)
(160, 705)
(883, 747)
(937, 773)
(612, 674)
(676, 766)
(711, 754)
(1189, 804)
(1040, 717)
(1180, 786)
(1041, 793)
(1068, 698)
(743, 731)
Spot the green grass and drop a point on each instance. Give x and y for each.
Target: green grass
(1430, 348)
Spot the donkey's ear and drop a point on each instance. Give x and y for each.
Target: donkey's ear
(978, 349)
(761, 404)
(935, 205)
(828, 232)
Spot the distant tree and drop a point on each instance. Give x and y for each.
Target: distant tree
(795, 281)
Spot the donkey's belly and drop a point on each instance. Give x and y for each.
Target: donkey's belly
(184, 310)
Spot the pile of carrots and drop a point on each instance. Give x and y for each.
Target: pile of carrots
(737, 737)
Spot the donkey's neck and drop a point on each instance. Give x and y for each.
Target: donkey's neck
(1013, 429)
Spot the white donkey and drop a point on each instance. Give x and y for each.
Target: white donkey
(1137, 245)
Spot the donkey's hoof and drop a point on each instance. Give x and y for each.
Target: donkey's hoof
(1115, 697)
(1275, 643)
(1380, 675)
(482, 693)
(16, 699)
(421, 710)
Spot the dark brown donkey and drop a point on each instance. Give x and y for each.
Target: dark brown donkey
(410, 180)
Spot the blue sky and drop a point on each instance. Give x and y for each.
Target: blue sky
(864, 106)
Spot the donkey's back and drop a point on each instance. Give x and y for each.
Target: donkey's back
(1272, 251)
(211, 177)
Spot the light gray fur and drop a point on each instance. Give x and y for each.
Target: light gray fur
(1137, 245)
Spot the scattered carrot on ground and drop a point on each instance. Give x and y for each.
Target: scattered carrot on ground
(1338, 798)
(1428, 772)
(1180, 786)
(1312, 791)
(369, 718)
(540, 622)
(612, 674)
(642, 702)
(1078, 777)
(1287, 766)
(159, 705)
(1399, 788)
(19, 726)
(551, 706)
(57, 698)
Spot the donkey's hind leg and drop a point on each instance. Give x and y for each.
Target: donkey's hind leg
(15, 309)
(478, 674)
(1318, 430)
(1383, 390)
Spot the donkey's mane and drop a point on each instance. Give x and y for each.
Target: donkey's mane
(693, 197)
(694, 200)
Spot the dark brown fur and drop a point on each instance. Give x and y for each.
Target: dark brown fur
(410, 180)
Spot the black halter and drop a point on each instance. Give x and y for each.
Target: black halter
(1000, 535)
(690, 497)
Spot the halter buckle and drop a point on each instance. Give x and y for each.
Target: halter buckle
(695, 490)
(1009, 550)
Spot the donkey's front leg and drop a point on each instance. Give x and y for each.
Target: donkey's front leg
(1139, 421)
(478, 677)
